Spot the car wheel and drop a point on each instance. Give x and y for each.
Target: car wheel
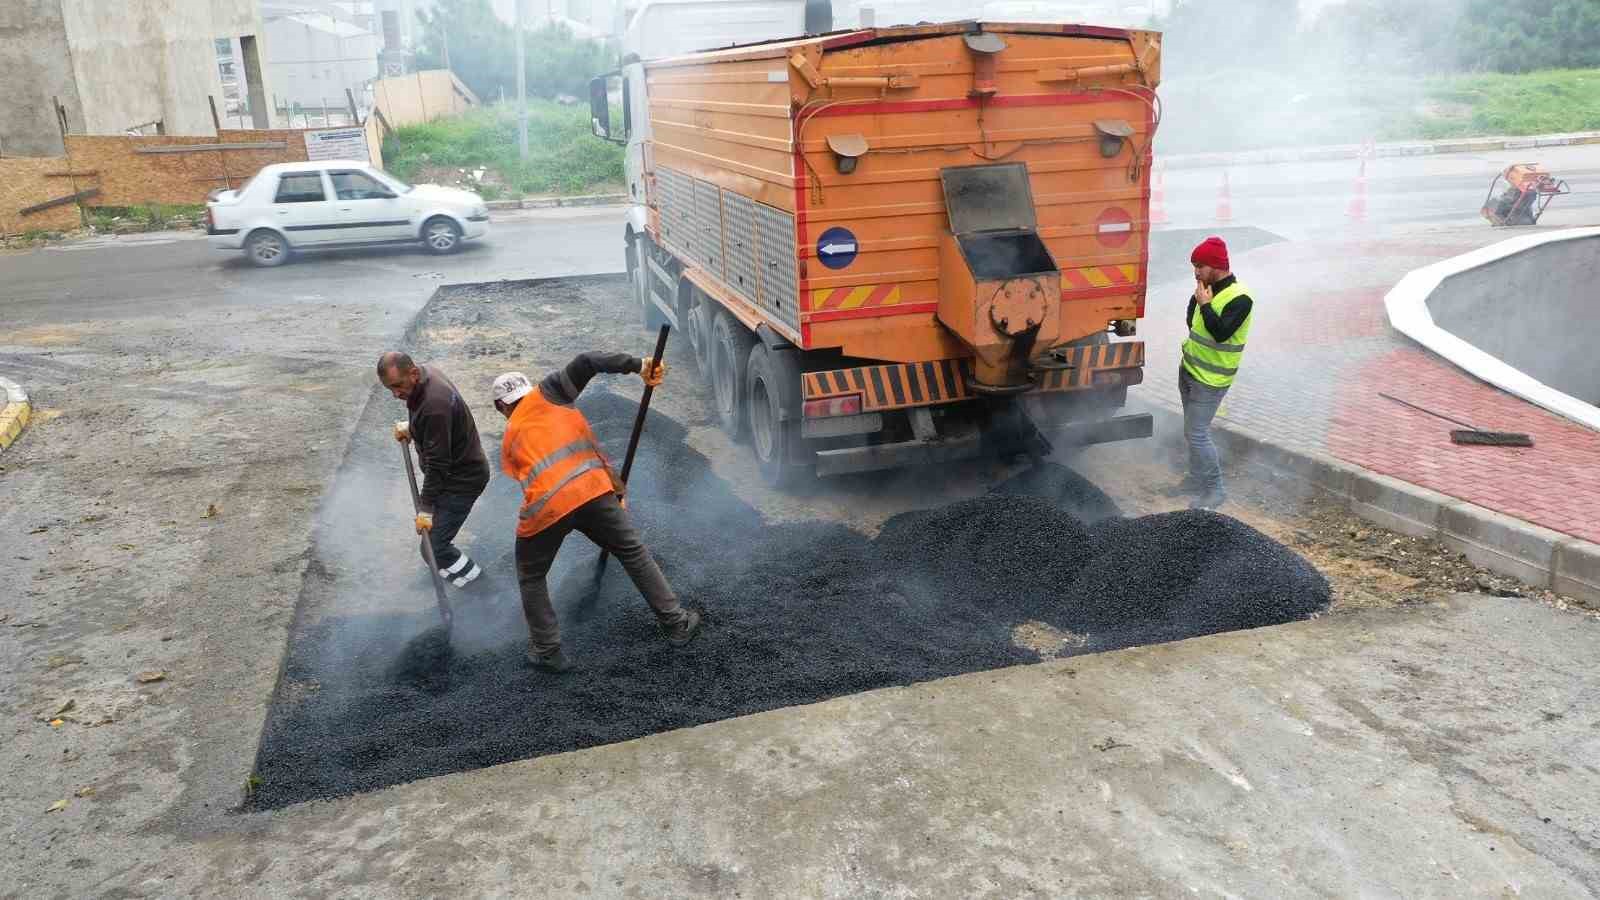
(266, 248)
(441, 235)
(730, 352)
(773, 383)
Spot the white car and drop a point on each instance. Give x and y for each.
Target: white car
(319, 205)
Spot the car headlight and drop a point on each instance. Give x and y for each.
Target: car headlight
(480, 210)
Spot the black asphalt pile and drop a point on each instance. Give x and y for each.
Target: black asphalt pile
(795, 614)
(1068, 490)
(1190, 573)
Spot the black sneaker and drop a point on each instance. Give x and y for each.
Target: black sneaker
(1212, 499)
(555, 662)
(681, 632)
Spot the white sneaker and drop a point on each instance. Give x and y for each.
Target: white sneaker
(463, 573)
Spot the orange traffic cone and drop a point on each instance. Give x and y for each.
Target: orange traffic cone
(1225, 201)
(1358, 202)
(1158, 196)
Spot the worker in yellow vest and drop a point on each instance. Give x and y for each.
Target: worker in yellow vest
(568, 485)
(1218, 317)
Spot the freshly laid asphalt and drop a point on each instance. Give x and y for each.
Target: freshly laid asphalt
(795, 613)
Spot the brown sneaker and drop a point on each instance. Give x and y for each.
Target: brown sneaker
(555, 662)
(681, 632)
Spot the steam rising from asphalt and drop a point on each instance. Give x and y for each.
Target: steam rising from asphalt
(1250, 74)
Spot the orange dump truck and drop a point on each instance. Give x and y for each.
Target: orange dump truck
(898, 245)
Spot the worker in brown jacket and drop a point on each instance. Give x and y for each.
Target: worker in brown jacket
(454, 469)
(568, 485)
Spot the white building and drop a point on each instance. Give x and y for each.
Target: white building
(314, 57)
(116, 67)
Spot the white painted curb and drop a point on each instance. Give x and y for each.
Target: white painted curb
(1408, 313)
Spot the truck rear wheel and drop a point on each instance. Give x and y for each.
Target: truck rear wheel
(730, 352)
(773, 386)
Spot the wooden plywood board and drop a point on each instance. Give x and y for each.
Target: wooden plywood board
(128, 177)
(26, 181)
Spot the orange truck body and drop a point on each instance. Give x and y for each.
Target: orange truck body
(804, 187)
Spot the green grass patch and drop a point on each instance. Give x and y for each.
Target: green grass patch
(563, 156)
(149, 217)
(1547, 102)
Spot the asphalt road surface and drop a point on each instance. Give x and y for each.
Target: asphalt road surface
(166, 274)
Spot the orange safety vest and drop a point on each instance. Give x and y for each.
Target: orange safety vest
(550, 450)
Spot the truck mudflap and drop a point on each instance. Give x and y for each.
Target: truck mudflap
(908, 385)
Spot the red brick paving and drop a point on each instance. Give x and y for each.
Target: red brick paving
(1321, 351)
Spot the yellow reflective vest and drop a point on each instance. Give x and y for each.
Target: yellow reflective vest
(1208, 360)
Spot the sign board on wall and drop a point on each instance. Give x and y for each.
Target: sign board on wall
(337, 143)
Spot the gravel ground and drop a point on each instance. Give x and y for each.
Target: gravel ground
(796, 613)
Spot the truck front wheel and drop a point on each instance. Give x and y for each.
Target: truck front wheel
(730, 351)
(773, 385)
(639, 253)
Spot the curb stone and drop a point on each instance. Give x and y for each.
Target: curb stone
(1355, 151)
(1531, 553)
(15, 411)
(555, 202)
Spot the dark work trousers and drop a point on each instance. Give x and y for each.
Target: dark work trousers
(1200, 404)
(449, 514)
(604, 521)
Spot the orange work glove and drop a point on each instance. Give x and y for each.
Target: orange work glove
(424, 522)
(652, 375)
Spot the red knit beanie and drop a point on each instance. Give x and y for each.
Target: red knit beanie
(1211, 252)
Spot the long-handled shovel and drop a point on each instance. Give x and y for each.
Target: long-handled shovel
(638, 429)
(427, 545)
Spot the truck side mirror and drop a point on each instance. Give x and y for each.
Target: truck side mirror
(600, 107)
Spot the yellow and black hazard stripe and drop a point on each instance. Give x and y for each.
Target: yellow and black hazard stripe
(1078, 364)
(892, 386)
(901, 385)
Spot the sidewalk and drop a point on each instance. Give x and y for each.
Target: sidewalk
(1321, 351)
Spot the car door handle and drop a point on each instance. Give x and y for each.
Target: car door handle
(344, 209)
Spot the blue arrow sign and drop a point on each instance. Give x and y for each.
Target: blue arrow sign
(837, 248)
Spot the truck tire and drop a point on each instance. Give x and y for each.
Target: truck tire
(730, 353)
(695, 313)
(772, 387)
(639, 253)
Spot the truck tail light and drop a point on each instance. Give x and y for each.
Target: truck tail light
(833, 406)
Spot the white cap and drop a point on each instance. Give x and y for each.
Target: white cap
(511, 387)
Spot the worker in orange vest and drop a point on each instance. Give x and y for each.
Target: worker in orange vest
(568, 485)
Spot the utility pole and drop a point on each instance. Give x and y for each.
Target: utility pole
(522, 89)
